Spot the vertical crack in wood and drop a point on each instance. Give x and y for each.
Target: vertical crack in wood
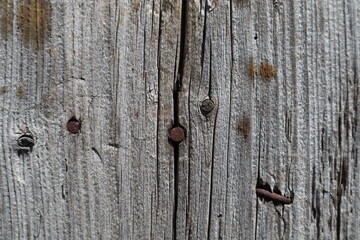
(176, 187)
(211, 185)
(230, 112)
(203, 44)
(288, 124)
(115, 76)
(213, 149)
(258, 178)
(340, 188)
(177, 89)
(183, 32)
(158, 106)
(338, 215)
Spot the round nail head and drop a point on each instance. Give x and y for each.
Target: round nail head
(177, 134)
(207, 106)
(73, 125)
(26, 141)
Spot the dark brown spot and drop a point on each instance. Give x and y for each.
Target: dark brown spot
(73, 125)
(21, 91)
(244, 127)
(6, 17)
(34, 22)
(267, 71)
(136, 7)
(177, 134)
(3, 90)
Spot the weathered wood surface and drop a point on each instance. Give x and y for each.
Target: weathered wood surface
(284, 80)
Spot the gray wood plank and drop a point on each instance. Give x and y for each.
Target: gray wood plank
(109, 64)
(283, 76)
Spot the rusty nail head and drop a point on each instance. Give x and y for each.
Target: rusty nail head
(207, 106)
(177, 134)
(73, 125)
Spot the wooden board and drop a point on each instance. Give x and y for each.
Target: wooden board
(284, 83)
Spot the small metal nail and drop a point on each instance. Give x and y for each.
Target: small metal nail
(207, 106)
(277, 198)
(73, 125)
(177, 134)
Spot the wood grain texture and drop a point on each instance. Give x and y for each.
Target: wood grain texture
(284, 77)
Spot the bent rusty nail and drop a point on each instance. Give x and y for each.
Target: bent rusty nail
(273, 196)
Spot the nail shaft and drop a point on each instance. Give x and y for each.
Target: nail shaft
(273, 196)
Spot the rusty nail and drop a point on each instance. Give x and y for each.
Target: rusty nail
(207, 106)
(73, 125)
(273, 196)
(177, 134)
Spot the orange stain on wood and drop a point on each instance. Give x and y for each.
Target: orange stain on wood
(267, 71)
(244, 127)
(34, 22)
(21, 91)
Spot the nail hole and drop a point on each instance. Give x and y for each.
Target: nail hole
(25, 143)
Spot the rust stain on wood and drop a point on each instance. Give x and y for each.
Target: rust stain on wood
(252, 69)
(3, 90)
(267, 71)
(6, 17)
(34, 22)
(244, 127)
(21, 91)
